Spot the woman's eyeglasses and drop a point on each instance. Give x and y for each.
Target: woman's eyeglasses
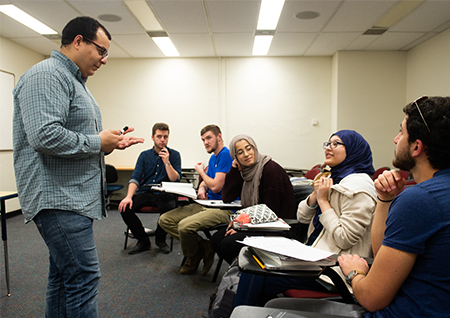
(103, 52)
(332, 144)
(416, 102)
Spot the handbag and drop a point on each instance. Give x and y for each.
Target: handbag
(259, 213)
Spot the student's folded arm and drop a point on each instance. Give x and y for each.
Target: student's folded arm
(388, 272)
(216, 184)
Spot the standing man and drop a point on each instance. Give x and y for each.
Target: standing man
(411, 229)
(184, 222)
(59, 145)
(153, 166)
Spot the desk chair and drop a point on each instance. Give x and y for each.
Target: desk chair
(151, 232)
(111, 187)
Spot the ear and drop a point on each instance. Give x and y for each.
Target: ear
(219, 136)
(77, 41)
(418, 148)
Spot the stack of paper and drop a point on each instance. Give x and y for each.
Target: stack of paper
(180, 188)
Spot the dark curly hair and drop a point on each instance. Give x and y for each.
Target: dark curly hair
(436, 113)
(85, 26)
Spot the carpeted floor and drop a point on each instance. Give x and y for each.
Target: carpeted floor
(142, 285)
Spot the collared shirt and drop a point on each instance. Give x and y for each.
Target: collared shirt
(150, 169)
(57, 159)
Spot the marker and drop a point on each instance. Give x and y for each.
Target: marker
(123, 130)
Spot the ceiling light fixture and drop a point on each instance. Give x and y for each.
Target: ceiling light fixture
(150, 23)
(262, 44)
(269, 14)
(26, 19)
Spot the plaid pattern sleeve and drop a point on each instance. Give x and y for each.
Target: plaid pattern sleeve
(57, 158)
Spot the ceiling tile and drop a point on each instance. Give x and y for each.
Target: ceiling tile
(137, 46)
(358, 15)
(291, 44)
(417, 21)
(181, 16)
(193, 45)
(41, 45)
(329, 43)
(236, 44)
(393, 40)
(128, 24)
(289, 23)
(233, 16)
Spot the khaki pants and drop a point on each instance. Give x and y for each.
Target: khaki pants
(184, 222)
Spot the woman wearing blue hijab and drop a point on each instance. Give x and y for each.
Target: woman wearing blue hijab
(339, 213)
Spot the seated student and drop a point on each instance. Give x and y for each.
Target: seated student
(409, 276)
(256, 179)
(340, 213)
(160, 163)
(184, 222)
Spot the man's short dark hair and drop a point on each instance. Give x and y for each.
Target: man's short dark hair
(212, 128)
(160, 126)
(436, 112)
(85, 26)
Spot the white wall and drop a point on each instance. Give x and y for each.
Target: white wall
(15, 59)
(370, 95)
(428, 68)
(272, 99)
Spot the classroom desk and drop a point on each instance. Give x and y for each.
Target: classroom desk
(247, 264)
(5, 195)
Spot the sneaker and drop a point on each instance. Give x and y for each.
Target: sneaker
(208, 256)
(163, 247)
(140, 247)
(191, 264)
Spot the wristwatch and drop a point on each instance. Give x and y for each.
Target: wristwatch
(352, 275)
(167, 164)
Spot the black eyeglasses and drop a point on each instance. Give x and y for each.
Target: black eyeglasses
(416, 102)
(332, 144)
(103, 51)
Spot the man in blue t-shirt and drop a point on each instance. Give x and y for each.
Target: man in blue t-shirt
(184, 222)
(157, 164)
(411, 229)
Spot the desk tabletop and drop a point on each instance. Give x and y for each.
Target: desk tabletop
(4, 195)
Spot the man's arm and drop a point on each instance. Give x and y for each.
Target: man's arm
(388, 185)
(388, 272)
(128, 200)
(216, 184)
(171, 167)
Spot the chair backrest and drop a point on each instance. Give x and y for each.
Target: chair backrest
(312, 173)
(404, 174)
(111, 174)
(379, 171)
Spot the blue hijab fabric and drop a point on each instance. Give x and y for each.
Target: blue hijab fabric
(358, 156)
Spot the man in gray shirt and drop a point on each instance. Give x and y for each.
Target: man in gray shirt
(59, 145)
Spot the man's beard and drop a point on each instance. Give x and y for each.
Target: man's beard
(404, 161)
(213, 148)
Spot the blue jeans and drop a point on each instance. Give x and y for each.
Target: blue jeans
(74, 274)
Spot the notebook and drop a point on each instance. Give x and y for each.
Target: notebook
(272, 261)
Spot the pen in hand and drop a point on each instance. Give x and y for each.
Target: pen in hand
(123, 130)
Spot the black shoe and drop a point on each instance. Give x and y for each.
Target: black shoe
(163, 247)
(140, 247)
